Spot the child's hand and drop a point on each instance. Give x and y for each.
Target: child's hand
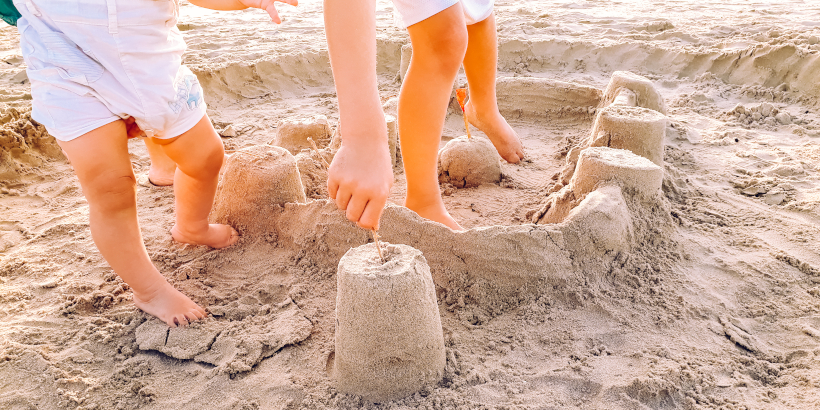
(269, 6)
(359, 180)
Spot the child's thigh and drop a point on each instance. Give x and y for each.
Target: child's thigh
(100, 159)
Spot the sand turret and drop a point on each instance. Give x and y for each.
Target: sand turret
(389, 340)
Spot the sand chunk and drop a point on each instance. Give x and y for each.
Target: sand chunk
(636, 129)
(256, 180)
(179, 342)
(469, 162)
(646, 94)
(245, 343)
(293, 133)
(389, 340)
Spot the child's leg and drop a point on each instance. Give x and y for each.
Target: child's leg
(439, 43)
(162, 168)
(198, 154)
(480, 65)
(100, 159)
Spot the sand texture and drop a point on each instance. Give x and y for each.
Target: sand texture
(658, 248)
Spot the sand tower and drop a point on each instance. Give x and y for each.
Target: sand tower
(293, 133)
(636, 129)
(389, 340)
(256, 180)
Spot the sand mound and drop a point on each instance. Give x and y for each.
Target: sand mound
(294, 133)
(528, 97)
(256, 180)
(468, 162)
(24, 144)
(389, 342)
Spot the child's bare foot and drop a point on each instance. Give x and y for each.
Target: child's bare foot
(503, 137)
(169, 306)
(161, 177)
(216, 236)
(434, 212)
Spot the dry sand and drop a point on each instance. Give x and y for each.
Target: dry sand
(706, 295)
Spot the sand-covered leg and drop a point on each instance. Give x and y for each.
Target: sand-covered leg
(100, 159)
(480, 65)
(162, 168)
(439, 43)
(199, 155)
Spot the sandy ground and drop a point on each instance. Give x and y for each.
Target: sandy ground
(712, 300)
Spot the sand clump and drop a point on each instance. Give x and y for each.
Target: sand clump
(293, 133)
(389, 341)
(24, 144)
(468, 162)
(256, 180)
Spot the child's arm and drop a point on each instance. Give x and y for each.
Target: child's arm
(361, 174)
(267, 5)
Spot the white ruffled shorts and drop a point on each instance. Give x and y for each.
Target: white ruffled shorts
(93, 62)
(409, 12)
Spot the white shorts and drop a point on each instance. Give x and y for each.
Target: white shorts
(410, 12)
(93, 62)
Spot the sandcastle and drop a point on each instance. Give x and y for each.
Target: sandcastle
(624, 148)
(465, 161)
(256, 180)
(295, 134)
(389, 340)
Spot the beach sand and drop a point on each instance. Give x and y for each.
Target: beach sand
(703, 294)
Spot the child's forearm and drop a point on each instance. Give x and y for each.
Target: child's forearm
(351, 40)
(224, 5)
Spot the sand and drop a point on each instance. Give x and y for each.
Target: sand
(703, 296)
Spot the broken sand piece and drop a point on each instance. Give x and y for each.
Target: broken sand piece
(468, 162)
(389, 340)
(293, 133)
(646, 94)
(234, 346)
(636, 129)
(256, 180)
(542, 97)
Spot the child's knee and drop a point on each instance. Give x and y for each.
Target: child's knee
(111, 192)
(447, 46)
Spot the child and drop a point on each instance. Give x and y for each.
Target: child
(103, 70)
(444, 34)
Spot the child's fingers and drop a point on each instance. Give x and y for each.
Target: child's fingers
(355, 208)
(270, 7)
(372, 214)
(343, 198)
(291, 2)
(332, 188)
